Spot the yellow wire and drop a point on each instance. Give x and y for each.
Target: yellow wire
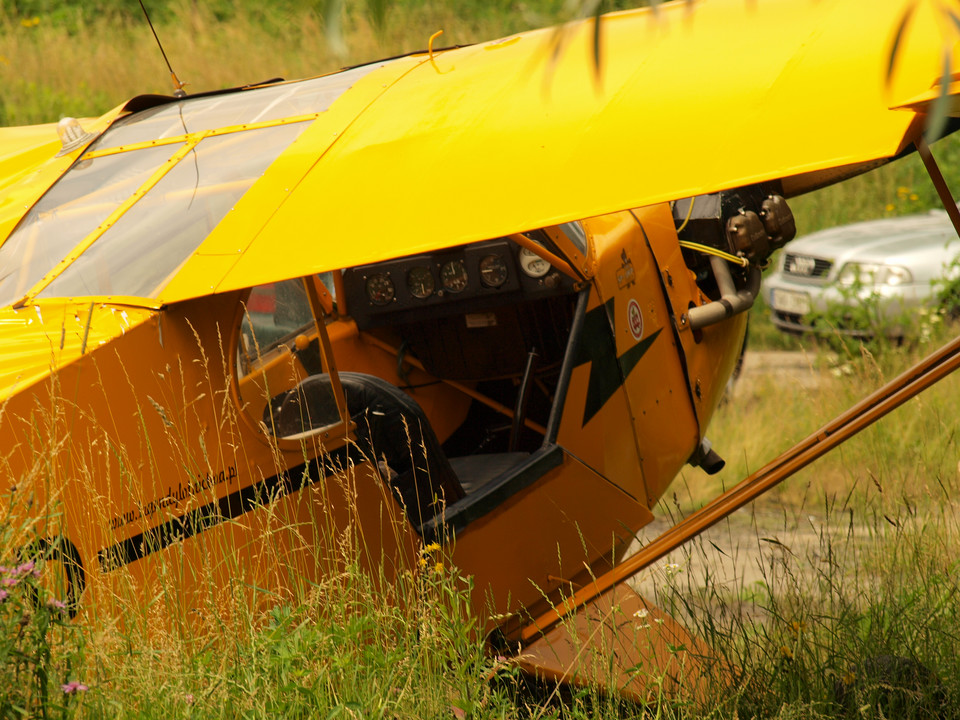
(707, 250)
(433, 37)
(687, 218)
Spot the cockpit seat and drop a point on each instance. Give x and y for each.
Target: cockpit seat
(475, 471)
(391, 426)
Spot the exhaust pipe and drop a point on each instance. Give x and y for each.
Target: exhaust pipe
(731, 302)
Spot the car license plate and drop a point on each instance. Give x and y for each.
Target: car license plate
(788, 301)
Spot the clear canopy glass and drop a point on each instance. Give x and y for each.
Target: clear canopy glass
(127, 220)
(148, 243)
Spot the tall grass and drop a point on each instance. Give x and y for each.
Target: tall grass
(900, 188)
(835, 595)
(51, 67)
(844, 588)
(355, 642)
(842, 603)
(841, 619)
(914, 449)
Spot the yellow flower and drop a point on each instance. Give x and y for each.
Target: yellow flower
(423, 562)
(438, 568)
(914, 197)
(30, 22)
(431, 548)
(849, 677)
(889, 207)
(672, 569)
(797, 627)
(786, 652)
(902, 191)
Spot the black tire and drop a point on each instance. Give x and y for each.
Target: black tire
(61, 550)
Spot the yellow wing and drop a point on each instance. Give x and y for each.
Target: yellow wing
(22, 150)
(426, 152)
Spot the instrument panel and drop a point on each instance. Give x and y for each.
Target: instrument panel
(466, 279)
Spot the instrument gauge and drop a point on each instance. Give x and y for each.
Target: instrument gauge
(420, 282)
(453, 275)
(493, 271)
(380, 289)
(532, 264)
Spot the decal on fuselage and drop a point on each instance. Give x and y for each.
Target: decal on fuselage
(625, 273)
(173, 497)
(597, 347)
(635, 319)
(233, 505)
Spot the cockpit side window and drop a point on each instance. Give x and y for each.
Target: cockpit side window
(275, 312)
(279, 324)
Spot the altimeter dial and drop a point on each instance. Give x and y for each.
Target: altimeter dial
(420, 282)
(380, 289)
(493, 271)
(453, 275)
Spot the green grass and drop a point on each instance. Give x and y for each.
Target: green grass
(59, 59)
(833, 627)
(347, 648)
(859, 623)
(900, 188)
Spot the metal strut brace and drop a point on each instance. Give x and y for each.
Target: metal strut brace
(933, 170)
(889, 397)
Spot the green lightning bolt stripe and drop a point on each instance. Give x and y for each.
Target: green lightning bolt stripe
(607, 371)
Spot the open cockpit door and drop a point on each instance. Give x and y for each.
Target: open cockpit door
(520, 328)
(292, 389)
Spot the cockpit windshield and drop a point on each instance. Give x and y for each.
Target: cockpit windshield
(127, 215)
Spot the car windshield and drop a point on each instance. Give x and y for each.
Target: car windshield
(127, 215)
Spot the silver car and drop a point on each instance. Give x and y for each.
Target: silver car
(882, 269)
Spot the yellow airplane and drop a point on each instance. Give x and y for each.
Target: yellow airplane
(488, 297)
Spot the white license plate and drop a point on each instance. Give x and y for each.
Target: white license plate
(788, 301)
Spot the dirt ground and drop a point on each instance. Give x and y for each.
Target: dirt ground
(751, 547)
(740, 556)
(787, 368)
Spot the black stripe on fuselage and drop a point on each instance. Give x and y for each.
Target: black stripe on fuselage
(237, 503)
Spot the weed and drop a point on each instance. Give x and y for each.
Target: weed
(41, 651)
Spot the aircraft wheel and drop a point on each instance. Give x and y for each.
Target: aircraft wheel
(62, 575)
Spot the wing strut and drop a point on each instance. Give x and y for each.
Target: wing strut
(933, 170)
(889, 397)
